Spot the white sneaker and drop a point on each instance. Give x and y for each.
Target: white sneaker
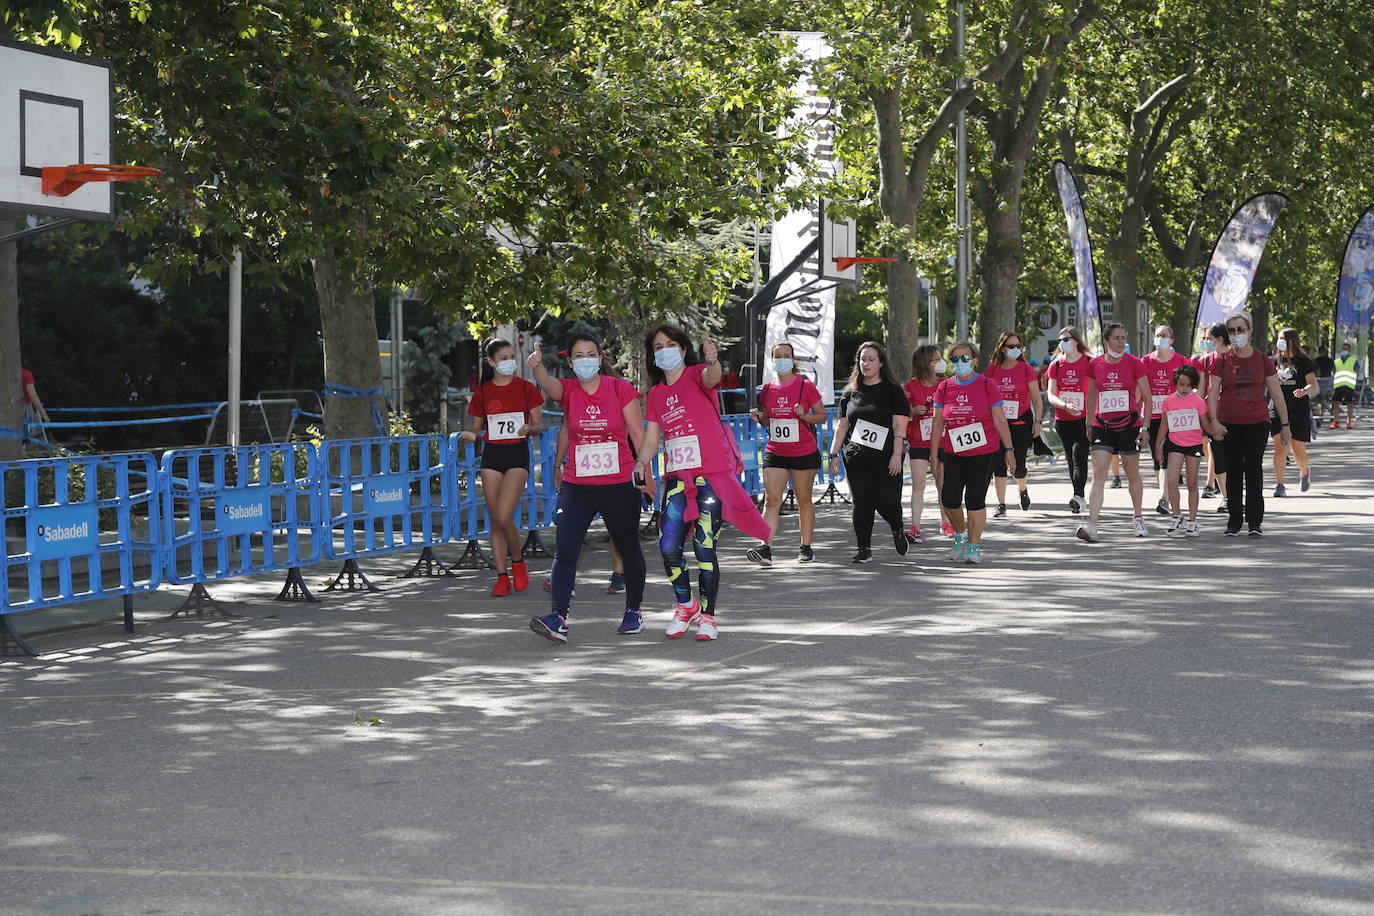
(1080, 502)
(706, 626)
(1176, 527)
(684, 615)
(1140, 530)
(1088, 533)
(1193, 530)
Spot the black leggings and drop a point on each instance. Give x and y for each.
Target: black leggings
(966, 479)
(1074, 435)
(1020, 445)
(619, 505)
(1244, 448)
(874, 490)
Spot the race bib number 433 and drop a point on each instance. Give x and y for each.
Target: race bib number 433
(597, 459)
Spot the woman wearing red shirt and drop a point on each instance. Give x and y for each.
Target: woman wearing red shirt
(1068, 387)
(504, 411)
(927, 371)
(1235, 396)
(1020, 390)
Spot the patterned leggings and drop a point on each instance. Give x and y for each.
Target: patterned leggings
(673, 533)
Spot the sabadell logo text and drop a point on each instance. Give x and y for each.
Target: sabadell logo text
(54, 533)
(238, 513)
(387, 496)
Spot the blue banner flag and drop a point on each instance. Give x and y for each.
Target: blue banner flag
(1235, 258)
(1355, 289)
(1089, 311)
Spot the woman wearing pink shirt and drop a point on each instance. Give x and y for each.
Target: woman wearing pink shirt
(1117, 389)
(927, 371)
(1067, 379)
(789, 410)
(1160, 366)
(1020, 389)
(700, 486)
(973, 433)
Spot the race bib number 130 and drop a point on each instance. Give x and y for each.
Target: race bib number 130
(968, 438)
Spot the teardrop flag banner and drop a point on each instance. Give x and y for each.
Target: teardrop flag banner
(1235, 258)
(1089, 311)
(1355, 289)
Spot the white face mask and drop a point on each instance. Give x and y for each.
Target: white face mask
(1115, 354)
(506, 367)
(940, 367)
(1067, 346)
(1013, 353)
(1163, 343)
(1282, 345)
(1239, 340)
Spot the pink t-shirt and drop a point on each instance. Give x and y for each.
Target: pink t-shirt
(1115, 377)
(596, 422)
(968, 405)
(918, 429)
(1160, 372)
(693, 435)
(1070, 378)
(1184, 416)
(793, 439)
(1014, 385)
(25, 380)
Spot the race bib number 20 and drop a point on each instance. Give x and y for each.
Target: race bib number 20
(870, 435)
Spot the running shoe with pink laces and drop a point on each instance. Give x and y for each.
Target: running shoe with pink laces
(706, 627)
(913, 535)
(684, 615)
(947, 529)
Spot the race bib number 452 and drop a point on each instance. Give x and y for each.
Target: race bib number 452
(684, 453)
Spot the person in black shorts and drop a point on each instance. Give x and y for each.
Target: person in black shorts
(1298, 379)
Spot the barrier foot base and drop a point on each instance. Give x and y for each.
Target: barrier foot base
(354, 574)
(199, 602)
(12, 645)
(474, 557)
(128, 613)
(832, 495)
(650, 530)
(427, 567)
(295, 589)
(535, 547)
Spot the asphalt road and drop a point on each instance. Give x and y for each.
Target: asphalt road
(1138, 726)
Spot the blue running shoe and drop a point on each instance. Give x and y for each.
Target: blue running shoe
(617, 584)
(552, 626)
(631, 624)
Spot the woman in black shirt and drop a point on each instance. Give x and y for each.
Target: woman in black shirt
(871, 429)
(1298, 379)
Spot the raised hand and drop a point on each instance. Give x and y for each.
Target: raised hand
(535, 359)
(708, 350)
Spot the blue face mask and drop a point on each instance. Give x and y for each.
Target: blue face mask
(586, 367)
(963, 366)
(1162, 344)
(1014, 353)
(1208, 346)
(1066, 346)
(506, 367)
(668, 359)
(782, 365)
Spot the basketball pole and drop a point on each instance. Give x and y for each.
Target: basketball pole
(761, 300)
(963, 250)
(235, 343)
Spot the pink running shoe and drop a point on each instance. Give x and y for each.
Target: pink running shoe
(706, 626)
(684, 615)
(947, 529)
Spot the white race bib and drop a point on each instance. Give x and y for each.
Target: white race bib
(870, 435)
(504, 427)
(1011, 409)
(1113, 402)
(927, 427)
(783, 430)
(1157, 403)
(597, 459)
(967, 438)
(1072, 398)
(1184, 421)
(684, 453)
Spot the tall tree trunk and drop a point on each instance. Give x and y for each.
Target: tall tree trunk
(348, 320)
(898, 206)
(999, 264)
(11, 394)
(1124, 254)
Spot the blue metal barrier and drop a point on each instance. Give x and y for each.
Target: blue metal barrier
(89, 526)
(237, 511)
(467, 510)
(380, 496)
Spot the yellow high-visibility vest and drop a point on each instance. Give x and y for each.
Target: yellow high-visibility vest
(1345, 373)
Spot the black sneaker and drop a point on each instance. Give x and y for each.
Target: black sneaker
(863, 556)
(1222, 507)
(1001, 511)
(1233, 532)
(1025, 500)
(899, 541)
(1116, 482)
(1209, 492)
(805, 554)
(1162, 507)
(1256, 533)
(762, 554)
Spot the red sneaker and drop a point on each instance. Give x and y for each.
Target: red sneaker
(502, 587)
(520, 575)
(947, 530)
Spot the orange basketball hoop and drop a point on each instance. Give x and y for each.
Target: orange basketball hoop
(846, 263)
(59, 181)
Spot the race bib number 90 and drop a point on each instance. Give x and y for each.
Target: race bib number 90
(783, 430)
(597, 459)
(870, 435)
(968, 438)
(1184, 421)
(503, 427)
(684, 453)
(1113, 402)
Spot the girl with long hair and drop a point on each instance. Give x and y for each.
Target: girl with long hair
(1298, 378)
(1016, 381)
(1068, 386)
(927, 371)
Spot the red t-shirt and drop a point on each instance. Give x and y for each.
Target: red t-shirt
(918, 429)
(1071, 384)
(596, 422)
(25, 380)
(1111, 378)
(965, 407)
(1014, 385)
(693, 435)
(499, 404)
(1242, 387)
(1160, 372)
(788, 435)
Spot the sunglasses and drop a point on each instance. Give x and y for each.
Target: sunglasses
(1065, 339)
(963, 359)
(1240, 330)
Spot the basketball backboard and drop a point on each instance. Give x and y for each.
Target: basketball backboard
(839, 239)
(56, 109)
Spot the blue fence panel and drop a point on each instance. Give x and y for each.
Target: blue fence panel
(236, 511)
(79, 528)
(826, 435)
(383, 495)
(467, 511)
(535, 510)
(751, 439)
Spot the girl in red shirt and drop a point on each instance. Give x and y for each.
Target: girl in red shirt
(1020, 389)
(927, 371)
